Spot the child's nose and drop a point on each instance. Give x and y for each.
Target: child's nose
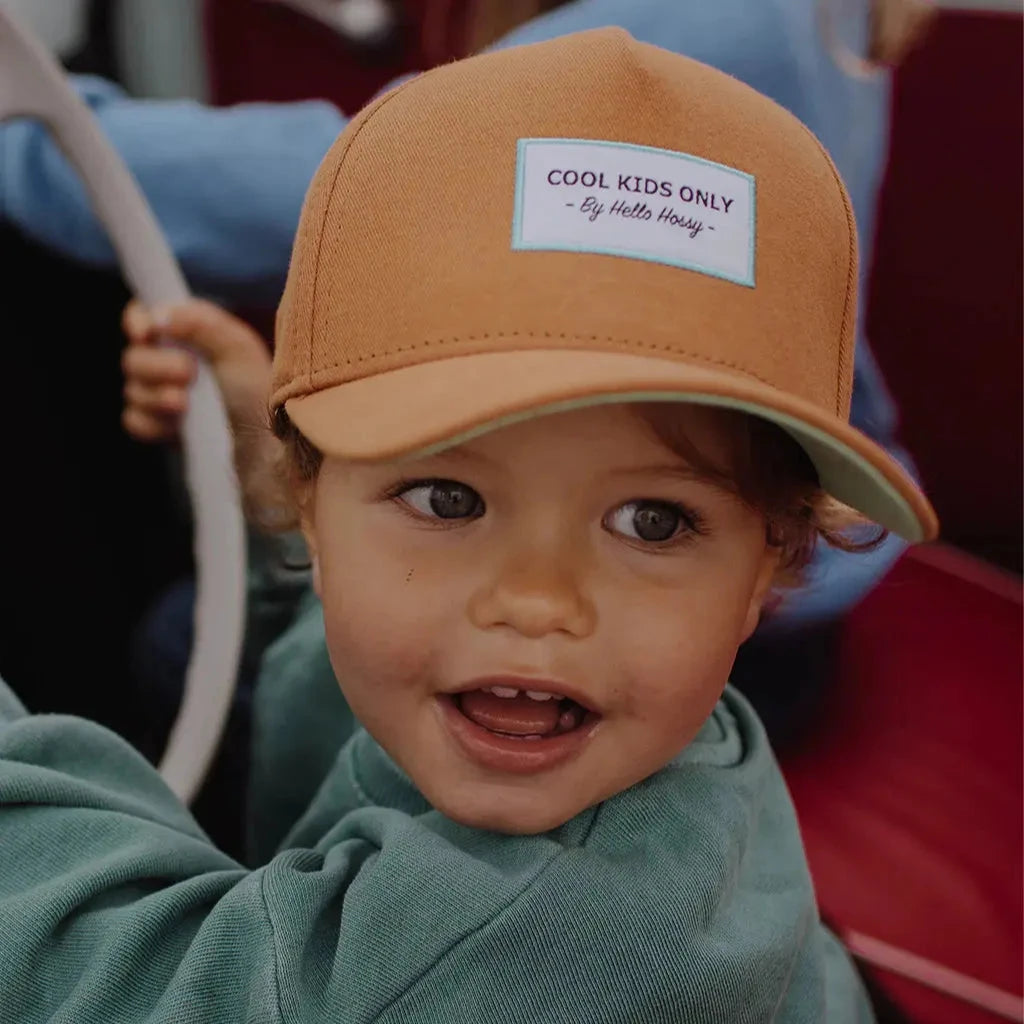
(535, 594)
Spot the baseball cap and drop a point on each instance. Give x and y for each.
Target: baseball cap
(585, 220)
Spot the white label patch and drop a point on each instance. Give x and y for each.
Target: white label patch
(581, 195)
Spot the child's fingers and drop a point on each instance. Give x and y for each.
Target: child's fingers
(210, 330)
(156, 399)
(137, 323)
(202, 325)
(164, 365)
(157, 376)
(147, 427)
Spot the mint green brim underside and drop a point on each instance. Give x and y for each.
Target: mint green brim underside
(843, 473)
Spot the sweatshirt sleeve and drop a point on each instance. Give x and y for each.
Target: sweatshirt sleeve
(225, 183)
(115, 906)
(113, 903)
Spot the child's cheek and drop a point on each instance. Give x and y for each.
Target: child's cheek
(380, 635)
(673, 669)
(680, 634)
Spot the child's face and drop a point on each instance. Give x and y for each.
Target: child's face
(569, 555)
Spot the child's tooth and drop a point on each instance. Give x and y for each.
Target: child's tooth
(539, 695)
(503, 691)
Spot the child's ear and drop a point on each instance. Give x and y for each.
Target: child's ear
(766, 575)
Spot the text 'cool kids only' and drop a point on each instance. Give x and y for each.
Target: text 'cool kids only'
(595, 206)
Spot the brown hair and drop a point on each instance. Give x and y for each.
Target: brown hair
(767, 470)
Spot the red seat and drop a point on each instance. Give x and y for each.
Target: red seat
(909, 795)
(267, 51)
(945, 304)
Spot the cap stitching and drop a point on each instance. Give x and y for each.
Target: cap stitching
(650, 345)
(851, 275)
(367, 117)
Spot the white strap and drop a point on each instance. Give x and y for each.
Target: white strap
(32, 84)
(952, 983)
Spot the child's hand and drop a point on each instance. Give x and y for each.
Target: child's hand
(157, 377)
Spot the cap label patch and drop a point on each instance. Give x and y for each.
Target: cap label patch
(618, 199)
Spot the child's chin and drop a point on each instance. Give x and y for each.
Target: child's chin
(514, 817)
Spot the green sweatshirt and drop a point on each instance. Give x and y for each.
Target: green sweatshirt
(684, 898)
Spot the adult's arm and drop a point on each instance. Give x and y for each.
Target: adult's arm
(225, 183)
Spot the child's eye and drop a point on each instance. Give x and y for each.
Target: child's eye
(654, 522)
(442, 499)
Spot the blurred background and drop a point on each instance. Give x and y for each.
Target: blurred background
(913, 827)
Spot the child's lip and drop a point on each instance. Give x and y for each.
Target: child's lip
(510, 754)
(524, 683)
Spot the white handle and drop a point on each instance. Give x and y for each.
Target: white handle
(32, 84)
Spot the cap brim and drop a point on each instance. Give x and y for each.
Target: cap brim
(425, 408)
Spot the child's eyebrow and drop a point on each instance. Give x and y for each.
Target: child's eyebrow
(678, 471)
(463, 454)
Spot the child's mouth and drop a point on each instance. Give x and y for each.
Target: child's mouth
(517, 730)
(520, 714)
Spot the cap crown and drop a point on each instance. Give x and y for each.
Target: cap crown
(405, 250)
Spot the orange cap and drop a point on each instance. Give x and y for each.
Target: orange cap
(584, 220)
